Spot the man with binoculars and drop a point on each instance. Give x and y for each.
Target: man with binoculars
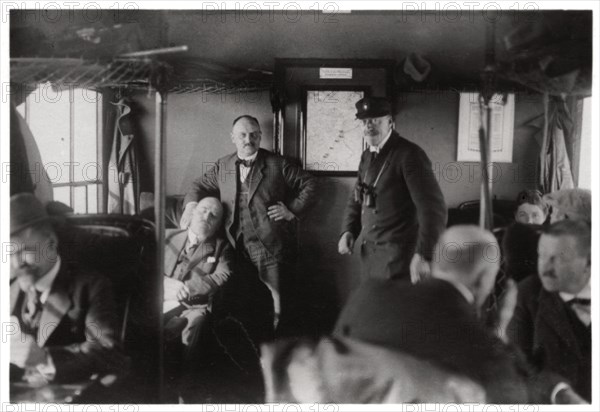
(397, 203)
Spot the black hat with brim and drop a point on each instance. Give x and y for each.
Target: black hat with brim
(372, 107)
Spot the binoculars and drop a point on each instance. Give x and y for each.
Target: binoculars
(365, 195)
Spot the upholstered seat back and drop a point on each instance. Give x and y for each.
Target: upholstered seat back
(123, 248)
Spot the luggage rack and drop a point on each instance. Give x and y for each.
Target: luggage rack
(136, 73)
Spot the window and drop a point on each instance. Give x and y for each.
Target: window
(585, 159)
(66, 124)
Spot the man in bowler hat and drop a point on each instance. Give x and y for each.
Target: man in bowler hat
(396, 205)
(63, 317)
(439, 320)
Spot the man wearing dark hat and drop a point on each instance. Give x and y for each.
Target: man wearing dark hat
(438, 320)
(64, 318)
(397, 204)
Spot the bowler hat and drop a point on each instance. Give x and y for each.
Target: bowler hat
(372, 107)
(25, 210)
(372, 312)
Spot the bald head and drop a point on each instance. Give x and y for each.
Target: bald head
(468, 255)
(206, 217)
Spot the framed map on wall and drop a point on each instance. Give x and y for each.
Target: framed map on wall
(332, 137)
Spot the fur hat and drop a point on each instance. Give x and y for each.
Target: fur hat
(575, 203)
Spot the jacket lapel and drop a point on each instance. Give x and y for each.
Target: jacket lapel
(552, 312)
(381, 162)
(15, 289)
(203, 250)
(56, 306)
(174, 245)
(228, 187)
(256, 174)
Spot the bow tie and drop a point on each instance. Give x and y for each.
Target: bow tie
(374, 149)
(579, 301)
(247, 163)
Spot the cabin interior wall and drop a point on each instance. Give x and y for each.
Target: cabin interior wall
(198, 127)
(198, 132)
(430, 119)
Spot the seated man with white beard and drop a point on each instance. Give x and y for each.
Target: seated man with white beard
(197, 264)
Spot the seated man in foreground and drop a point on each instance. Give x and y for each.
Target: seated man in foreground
(552, 320)
(64, 317)
(438, 320)
(197, 264)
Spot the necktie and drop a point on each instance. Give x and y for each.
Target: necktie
(373, 157)
(581, 308)
(247, 163)
(32, 309)
(242, 174)
(184, 260)
(579, 301)
(190, 249)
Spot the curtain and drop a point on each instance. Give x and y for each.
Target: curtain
(555, 127)
(123, 175)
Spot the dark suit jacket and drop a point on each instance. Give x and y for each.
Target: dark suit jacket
(210, 265)
(433, 321)
(541, 328)
(273, 178)
(78, 324)
(410, 211)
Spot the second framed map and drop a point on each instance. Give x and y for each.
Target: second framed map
(332, 137)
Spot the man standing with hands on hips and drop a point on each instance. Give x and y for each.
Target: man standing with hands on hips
(263, 195)
(396, 204)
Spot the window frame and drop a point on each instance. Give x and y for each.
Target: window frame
(72, 183)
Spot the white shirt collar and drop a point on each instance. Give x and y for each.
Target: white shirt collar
(251, 157)
(585, 293)
(192, 238)
(464, 291)
(467, 294)
(378, 148)
(44, 284)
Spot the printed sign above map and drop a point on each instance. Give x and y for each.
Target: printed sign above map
(335, 73)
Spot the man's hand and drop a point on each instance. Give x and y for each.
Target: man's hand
(346, 244)
(183, 293)
(186, 217)
(506, 308)
(420, 269)
(174, 289)
(25, 352)
(279, 212)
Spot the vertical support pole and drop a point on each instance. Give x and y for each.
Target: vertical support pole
(159, 214)
(486, 214)
(487, 168)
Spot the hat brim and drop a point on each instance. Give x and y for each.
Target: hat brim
(23, 226)
(361, 116)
